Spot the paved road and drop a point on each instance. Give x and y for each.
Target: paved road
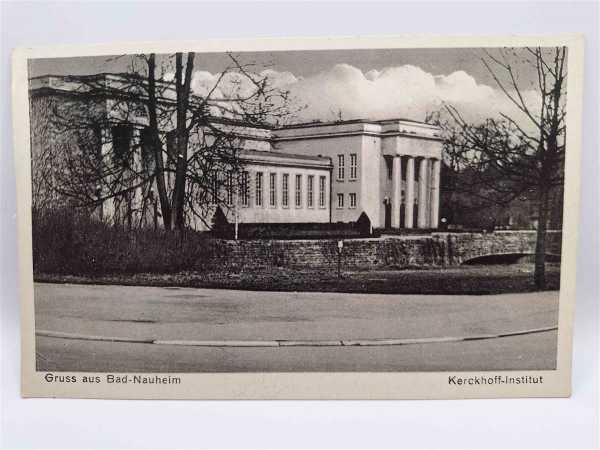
(205, 314)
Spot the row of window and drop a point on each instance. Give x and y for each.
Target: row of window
(341, 172)
(351, 197)
(122, 136)
(259, 187)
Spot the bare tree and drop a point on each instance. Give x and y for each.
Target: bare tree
(184, 145)
(509, 156)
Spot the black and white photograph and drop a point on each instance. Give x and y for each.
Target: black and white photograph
(294, 224)
(343, 210)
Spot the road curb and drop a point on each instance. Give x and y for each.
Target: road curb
(85, 337)
(217, 343)
(291, 343)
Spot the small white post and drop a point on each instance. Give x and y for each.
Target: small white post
(340, 246)
(235, 215)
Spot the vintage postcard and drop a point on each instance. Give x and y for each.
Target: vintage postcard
(348, 218)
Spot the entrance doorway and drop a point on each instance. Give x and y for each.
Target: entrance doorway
(402, 216)
(388, 214)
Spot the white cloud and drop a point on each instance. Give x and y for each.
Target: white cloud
(393, 92)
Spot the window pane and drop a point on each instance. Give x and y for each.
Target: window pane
(309, 191)
(353, 200)
(353, 165)
(298, 191)
(272, 190)
(259, 189)
(229, 188)
(121, 140)
(341, 167)
(148, 161)
(245, 190)
(284, 189)
(171, 146)
(215, 187)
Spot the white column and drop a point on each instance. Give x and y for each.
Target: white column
(138, 194)
(108, 206)
(409, 198)
(435, 194)
(422, 213)
(396, 186)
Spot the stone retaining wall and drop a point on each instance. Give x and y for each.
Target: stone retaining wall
(436, 249)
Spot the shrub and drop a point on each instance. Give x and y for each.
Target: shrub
(292, 230)
(65, 242)
(220, 225)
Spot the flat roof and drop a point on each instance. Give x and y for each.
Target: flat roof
(271, 158)
(283, 155)
(386, 128)
(318, 123)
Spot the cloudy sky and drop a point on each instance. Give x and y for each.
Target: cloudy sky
(369, 84)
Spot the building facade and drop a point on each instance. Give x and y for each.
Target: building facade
(313, 172)
(390, 169)
(278, 187)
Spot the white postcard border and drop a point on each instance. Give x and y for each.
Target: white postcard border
(314, 385)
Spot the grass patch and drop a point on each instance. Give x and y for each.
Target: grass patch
(470, 280)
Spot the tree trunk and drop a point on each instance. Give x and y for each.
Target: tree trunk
(540, 244)
(183, 95)
(165, 207)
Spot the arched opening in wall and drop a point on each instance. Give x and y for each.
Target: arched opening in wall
(508, 258)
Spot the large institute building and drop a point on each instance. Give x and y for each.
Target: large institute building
(326, 172)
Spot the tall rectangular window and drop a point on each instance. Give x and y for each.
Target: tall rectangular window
(245, 191)
(298, 191)
(285, 185)
(214, 187)
(352, 200)
(340, 198)
(310, 181)
(259, 189)
(171, 146)
(147, 147)
(341, 168)
(121, 142)
(229, 188)
(272, 189)
(171, 143)
(353, 166)
(322, 191)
